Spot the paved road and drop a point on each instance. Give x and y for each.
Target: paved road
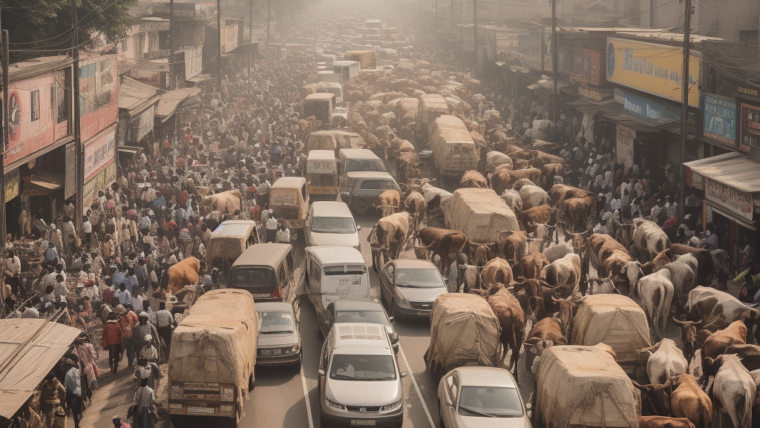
(282, 395)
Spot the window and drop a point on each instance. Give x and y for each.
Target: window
(363, 367)
(379, 185)
(35, 105)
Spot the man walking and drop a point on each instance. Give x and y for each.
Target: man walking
(164, 325)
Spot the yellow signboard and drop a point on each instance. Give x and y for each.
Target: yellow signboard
(651, 68)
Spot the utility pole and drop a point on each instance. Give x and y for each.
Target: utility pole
(250, 35)
(475, 34)
(6, 135)
(452, 13)
(219, 46)
(684, 100)
(436, 16)
(555, 59)
(172, 78)
(79, 210)
(269, 19)
(499, 13)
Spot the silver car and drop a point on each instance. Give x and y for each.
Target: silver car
(359, 378)
(410, 287)
(279, 339)
(480, 397)
(331, 223)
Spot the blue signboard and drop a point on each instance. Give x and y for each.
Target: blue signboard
(719, 119)
(645, 108)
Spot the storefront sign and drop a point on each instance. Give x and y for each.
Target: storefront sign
(99, 152)
(748, 91)
(749, 127)
(719, 118)
(624, 152)
(582, 65)
(98, 95)
(100, 181)
(11, 185)
(645, 108)
(594, 94)
(655, 69)
(142, 124)
(193, 62)
(739, 203)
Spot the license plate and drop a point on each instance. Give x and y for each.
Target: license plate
(422, 313)
(200, 410)
(363, 422)
(271, 352)
(261, 296)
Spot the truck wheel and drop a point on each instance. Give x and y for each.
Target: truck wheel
(361, 206)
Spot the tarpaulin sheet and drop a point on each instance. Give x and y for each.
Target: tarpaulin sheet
(29, 349)
(464, 331)
(480, 214)
(584, 386)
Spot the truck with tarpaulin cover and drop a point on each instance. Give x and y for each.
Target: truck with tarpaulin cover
(480, 214)
(213, 355)
(454, 151)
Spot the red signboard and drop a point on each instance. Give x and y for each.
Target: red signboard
(749, 127)
(99, 95)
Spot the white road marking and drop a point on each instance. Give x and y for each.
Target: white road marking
(306, 396)
(416, 387)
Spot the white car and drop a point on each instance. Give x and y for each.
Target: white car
(480, 397)
(330, 223)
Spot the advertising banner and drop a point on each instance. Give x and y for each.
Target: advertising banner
(645, 108)
(11, 184)
(625, 137)
(651, 68)
(583, 65)
(99, 152)
(737, 202)
(719, 118)
(749, 127)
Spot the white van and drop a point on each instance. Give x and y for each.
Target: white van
(330, 223)
(335, 273)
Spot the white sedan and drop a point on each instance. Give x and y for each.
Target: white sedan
(480, 397)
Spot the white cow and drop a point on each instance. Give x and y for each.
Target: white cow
(664, 358)
(734, 390)
(654, 293)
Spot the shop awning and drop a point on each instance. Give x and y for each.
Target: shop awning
(29, 349)
(46, 182)
(201, 78)
(135, 97)
(732, 169)
(173, 100)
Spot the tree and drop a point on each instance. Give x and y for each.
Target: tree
(42, 27)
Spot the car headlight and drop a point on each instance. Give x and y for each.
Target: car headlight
(294, 350)
(393, 406)
(401, 300)
(334, 405)
(177, 392)
(228, 394)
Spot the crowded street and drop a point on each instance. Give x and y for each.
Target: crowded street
(329, 213)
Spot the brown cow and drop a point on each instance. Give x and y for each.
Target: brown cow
(689, 401)
(535, 297)
(512, 320)
(181, 274)
(654, 399)
(549, 170)
(443, 242)
(688, 337)
(416, 206)
(389, 201)
(680, 249)
(664, 422)
(512, 246)
(576, 213)
(718, 342)
(566, 313)
(532, 174)
(496, 271)
(500, 181)
(391, 232)
(560, 192)
(749, 354)
(531, 265)
(547, 332)
(473, 179)
(542, 214)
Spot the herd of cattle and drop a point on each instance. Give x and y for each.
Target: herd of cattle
(528, 275)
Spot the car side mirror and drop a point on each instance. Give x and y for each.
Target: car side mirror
(392, 319)
(358, 228)
(404, 373)
(321, 372)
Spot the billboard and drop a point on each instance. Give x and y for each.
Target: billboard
(749, 127)
(582, 65)
(99, 153)
(719, 118)
(651, 68)
(98, 95)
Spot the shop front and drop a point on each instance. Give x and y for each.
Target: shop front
(731, 188)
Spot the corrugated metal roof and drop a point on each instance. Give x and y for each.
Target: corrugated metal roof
(669, 37)
(732, 169)
(171, 100)
(35, 67)
(137, 96)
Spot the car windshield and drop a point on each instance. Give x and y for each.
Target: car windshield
(353, 165)
(490, 402)
(275, 322)
(419, 278)
(363, 367)
(372, 317)
(333, 225)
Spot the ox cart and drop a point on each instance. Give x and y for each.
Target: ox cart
(583, 386)
(616, 321)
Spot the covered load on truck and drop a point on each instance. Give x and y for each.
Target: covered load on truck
(480, 214)
(464, 332)
(616, 321)
(367, 58)
(454, 151)
(334, 140)
(583, 386)
(211, 364)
